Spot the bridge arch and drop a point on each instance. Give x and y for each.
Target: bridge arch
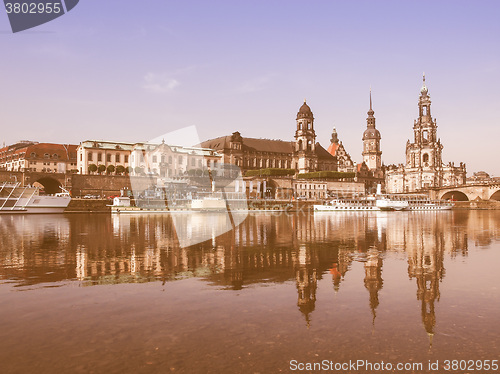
(50, 185)
(455, 195)
(495, 196)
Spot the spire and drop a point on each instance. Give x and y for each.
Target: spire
(371, 96)
(370, 112)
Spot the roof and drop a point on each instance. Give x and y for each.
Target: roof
(332, 149)
(105, 144)
(371, 133)
(323, 154)
(304, 111)
(39, 150)
(196, 151)
(63, 151)
(251, 145)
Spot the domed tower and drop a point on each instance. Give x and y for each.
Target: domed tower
(372, 155)
(304, 155)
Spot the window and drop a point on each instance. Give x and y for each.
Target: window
(126, 158)
(193, 162)
(46, 155)
(90, 156)
(117, 157)
(180, 159)
(169, 159)
(99, 157)
(108, 158)
(425, 157)
(155, 159)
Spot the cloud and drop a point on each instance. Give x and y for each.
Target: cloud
(159, 83)
(256, 84)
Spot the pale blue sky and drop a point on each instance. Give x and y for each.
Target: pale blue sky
(132, 70)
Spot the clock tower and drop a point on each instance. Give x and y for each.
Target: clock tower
(372, 155)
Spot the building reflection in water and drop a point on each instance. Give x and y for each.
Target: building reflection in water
(265, 248)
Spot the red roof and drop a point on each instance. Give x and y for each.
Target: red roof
(332, 149)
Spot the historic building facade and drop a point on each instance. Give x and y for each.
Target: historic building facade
(161, 160)
(336, 149)
(304, 154)
(424, 167)
(39, 157)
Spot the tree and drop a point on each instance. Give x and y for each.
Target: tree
(129, 169)
(101, 168)
(92, 168)
(138, 170)
(110, 169)
(120, 169)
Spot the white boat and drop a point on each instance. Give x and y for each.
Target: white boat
(209, 203)
(15, 198)
(202, 204)
(352, 204)
(385, 203)
(422, 202)
(391, 202)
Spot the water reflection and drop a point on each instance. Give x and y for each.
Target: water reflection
(264, 249)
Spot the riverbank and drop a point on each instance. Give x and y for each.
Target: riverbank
(102, 205)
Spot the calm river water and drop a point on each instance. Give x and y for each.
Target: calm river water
(103, 294)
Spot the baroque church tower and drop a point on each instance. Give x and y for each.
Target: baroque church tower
(304, 155)
(372, 155)
(424, 167)
(424, 154)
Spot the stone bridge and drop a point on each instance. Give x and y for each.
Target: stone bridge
(49, 181)
(469, 192)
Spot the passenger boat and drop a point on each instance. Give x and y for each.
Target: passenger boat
(391, 202)
(384, 203)
(15, 198)
(209, 203)
(200, 204)
(422, 202)
(351, 204)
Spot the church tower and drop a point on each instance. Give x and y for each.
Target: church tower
(304, 155)
(372, 155)
(424, 154)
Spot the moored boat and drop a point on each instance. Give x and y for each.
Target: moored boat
(348, 204)
(15, 198)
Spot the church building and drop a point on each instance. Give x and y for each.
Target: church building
(303, 154)
(424, 167)
(336, 148)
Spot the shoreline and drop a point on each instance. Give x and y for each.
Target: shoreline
(103, 205)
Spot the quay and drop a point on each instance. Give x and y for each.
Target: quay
(102, 205)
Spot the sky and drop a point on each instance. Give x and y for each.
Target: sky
(134, 70)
